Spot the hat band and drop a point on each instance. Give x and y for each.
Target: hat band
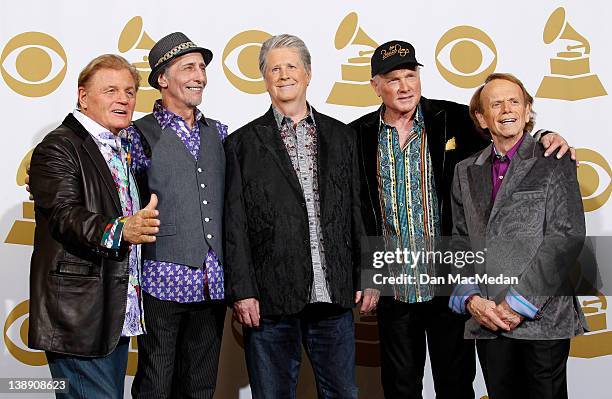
(173, 52)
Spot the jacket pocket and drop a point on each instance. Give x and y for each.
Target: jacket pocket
(77, 269)
(529, 195)
(76, 305)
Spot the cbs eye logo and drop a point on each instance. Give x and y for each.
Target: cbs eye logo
(242, 53)
(470, 55)
(20, 318)
(595, 179)
(33, 64)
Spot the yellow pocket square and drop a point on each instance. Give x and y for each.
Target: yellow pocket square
(450, 144)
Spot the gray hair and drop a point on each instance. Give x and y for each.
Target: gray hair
(280, 41)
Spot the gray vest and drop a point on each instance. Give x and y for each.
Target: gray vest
(190, 194)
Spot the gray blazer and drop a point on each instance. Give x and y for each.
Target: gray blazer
(534, 231)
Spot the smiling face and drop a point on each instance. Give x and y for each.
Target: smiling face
(183, 82)
(285, 76)
(505, 111)
(109, 98)
(400, 90)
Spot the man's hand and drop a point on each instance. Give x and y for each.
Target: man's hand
(370, 298)
(141, 227)
(246, 311)
(485, 313)
(507, 314)
(554, 141)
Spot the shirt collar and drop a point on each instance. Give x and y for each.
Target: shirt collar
(281, 119)
(418, 118)
(98, 132)
(511, 152)
(164, 116)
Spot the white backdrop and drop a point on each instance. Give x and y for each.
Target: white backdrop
(45, 45)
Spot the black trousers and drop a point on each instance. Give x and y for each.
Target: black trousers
(520, 368)
(403, 329)
(178, 357)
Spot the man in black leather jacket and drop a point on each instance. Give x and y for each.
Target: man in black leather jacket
(84, 287)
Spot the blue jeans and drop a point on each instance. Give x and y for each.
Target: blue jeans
(274, 353)
(92, 377)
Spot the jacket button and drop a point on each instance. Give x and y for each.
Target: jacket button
(203, 185)
(199, 170)
(205, 202)
(209, 236)
(207, 219)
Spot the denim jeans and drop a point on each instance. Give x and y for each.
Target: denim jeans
(274, 351)
(92, 378)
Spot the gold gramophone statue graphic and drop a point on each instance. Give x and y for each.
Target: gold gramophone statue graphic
(22, 231)
(571, 77)
(354, 89)
(134, 37)
(598, 341)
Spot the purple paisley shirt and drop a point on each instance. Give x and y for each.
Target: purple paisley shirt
(172, 281)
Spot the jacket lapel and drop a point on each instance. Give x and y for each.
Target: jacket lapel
(323, 155)
(268, 134)
(479, 180)
(368, 137)
(435, 121)
(91, 148)
(521, 164)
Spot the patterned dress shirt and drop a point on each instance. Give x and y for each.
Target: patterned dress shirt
(115, 150)
(300, 140)
(409, 202)
(172, 281)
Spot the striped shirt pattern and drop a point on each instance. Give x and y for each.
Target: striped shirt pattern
(408, 201)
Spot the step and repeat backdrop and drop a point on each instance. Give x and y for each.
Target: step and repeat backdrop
(560, 50)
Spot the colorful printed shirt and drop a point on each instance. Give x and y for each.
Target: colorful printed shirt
(172, 281)
(409, 202)
(116, 152)
(300, 140)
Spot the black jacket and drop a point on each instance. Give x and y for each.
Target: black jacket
(444, 121)
(77, 288)
(267, 246)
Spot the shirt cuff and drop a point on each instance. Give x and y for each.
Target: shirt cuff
(111, 238)
(520, 305)
(460, 294)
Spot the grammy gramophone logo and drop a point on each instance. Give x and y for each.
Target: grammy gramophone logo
(598, 340)
(22, 231)
(354, 89)
(571, 77)
(134, 39)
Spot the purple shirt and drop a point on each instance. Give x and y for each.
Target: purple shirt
(172, 281)
(501, 163)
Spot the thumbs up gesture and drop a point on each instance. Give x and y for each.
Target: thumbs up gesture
(141, 227)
